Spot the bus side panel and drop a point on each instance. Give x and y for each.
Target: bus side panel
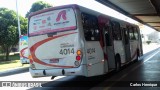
(119, 49)
(95, 58)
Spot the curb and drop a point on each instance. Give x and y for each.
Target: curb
(14, 71)
(148, 53)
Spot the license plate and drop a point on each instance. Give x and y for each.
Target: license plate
(54, 60)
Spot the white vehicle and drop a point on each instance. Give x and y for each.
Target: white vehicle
(24, 49)
(73, 40)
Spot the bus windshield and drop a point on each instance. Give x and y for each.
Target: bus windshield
(52, 21)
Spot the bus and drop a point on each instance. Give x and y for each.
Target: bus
(74, 40)
(23, 46)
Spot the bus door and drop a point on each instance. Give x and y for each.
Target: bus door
(133, 42)
(140, 42)
(108, 44)
(126, 44)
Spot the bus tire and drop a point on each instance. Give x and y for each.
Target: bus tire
(34, 76)
(118, 62)
(138, 55)
(53, 77)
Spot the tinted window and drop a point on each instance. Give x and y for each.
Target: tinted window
(90, 26)
(107, 32)
(131, 33)
(116, 31)
(136, 33)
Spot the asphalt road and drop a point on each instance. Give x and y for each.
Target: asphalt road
(146, 71)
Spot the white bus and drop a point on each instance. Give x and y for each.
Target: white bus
(23, 46)
(74, 40)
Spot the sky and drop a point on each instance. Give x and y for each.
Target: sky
(25, 5)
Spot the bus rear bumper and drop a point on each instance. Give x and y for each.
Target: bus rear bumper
(57, 72)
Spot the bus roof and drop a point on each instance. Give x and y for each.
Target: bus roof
(52, 8)
(84, 9)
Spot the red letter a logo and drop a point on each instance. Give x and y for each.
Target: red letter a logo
(61, 14)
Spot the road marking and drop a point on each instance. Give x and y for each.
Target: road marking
(151, 56)
(133, 69)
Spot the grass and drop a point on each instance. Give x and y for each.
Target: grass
(12, 56)
(13, 62)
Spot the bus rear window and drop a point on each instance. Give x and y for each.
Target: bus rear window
(52, 21)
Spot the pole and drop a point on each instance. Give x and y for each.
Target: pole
(19, 29)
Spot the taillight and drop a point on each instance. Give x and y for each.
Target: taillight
(79, 53)
(78, 58)
(31, 62)
(30, 59)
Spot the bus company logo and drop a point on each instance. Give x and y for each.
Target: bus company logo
(61, 14)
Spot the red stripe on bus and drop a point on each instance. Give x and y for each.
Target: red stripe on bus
(102, 46)
(35, 46)
(21, 53)
(101, 23)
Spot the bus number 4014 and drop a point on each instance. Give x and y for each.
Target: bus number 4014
(66, 51)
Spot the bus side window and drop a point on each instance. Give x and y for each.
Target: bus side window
(108, 39)
(131, 33)
(90, 27)
(116, 31)
(136, 33)
(134, 38)
(126, 36)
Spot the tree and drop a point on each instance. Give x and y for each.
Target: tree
(9, 36)
(39, 5)
(24, 25)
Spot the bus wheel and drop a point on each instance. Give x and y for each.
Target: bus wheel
(118, 62)
(137, 55)
(53, 77)
(34, 77)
